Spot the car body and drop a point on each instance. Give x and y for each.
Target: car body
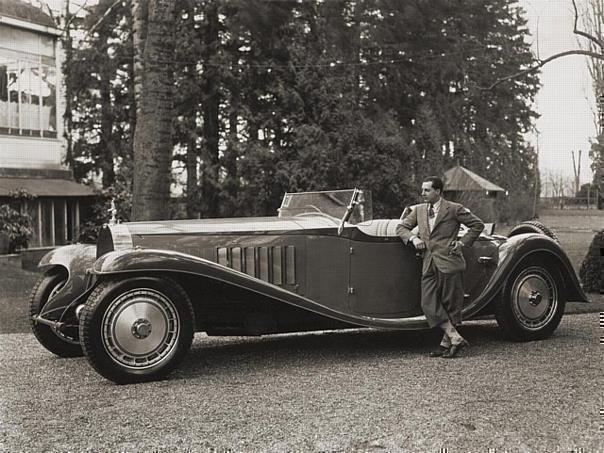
(133, 301)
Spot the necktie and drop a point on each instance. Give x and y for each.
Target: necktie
(431, 212)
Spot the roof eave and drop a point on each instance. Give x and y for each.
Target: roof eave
(8, 20)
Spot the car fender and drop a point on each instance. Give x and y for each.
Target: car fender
(166, 261)
(512, 253)
(74, 260)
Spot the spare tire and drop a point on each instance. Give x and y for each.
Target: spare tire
(533, 226)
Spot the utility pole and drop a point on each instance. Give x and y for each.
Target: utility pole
(537, 181)
(577, 171)
(599, 179)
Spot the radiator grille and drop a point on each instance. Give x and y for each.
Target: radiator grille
(276, 264)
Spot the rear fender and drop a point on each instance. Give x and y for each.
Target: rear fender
(74, 260)
(518, 249)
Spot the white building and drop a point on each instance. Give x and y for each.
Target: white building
(32, 149)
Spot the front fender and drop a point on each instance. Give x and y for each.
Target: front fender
(74, 260)
(512, 253)
(152, 260)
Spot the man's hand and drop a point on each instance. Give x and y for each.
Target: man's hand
(418, 243)
(455, 248)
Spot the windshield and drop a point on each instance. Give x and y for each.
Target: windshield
(332, 203)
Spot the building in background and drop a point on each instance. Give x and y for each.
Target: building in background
(32, 149)
(473, 191)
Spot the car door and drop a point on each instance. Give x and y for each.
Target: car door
(481, 262)
(385, 278)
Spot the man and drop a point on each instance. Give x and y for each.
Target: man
(443, 261)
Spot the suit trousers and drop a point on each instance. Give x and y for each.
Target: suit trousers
(442, 296)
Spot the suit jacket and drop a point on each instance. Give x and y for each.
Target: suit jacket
(446, 227)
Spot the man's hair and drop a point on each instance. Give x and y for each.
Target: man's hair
(437, 183)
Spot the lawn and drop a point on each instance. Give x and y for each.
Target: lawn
(15, 286)
(574, 227)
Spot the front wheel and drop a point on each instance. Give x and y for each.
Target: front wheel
(62, 343)
(532, 303)
(137, 329)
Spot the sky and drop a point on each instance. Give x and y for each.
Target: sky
(566, 99)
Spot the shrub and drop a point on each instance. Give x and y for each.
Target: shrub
(16, 226)
(590, 271)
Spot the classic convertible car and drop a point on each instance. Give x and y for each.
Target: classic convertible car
(132, 303)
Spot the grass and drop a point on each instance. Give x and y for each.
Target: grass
(575, 229)
(15, 287)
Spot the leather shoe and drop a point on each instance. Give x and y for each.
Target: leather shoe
(438, 352)
(454, 349)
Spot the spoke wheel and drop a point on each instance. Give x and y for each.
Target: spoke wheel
(532, 303)
(136, 329)
(62, 344)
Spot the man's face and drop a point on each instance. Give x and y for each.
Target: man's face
(429, 194)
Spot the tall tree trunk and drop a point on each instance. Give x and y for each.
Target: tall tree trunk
(189, 109)
(106, 139)
(67, 115)
(192, 189)
(231, 153)
(131, 83)
(211, 127)
(153, 87)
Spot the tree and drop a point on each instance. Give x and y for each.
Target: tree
(558, 185)
(593, 21)
(293, 96)
(98, 82)
(153, 52)
(594, 50)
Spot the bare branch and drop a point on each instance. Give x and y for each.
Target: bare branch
(594, 40)
(103, 17)
(541, 63)
(75, 15)
(50, 12)
(589, 36)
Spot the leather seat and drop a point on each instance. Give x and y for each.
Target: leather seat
(379, 227)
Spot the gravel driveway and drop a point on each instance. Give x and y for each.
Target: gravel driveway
(335, 391)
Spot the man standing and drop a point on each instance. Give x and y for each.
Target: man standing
(443, 262)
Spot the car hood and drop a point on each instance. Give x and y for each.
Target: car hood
(232, 225)
(128, 235)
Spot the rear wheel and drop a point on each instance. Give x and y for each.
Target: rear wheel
(137, 329)
(532, 303)
(533, 226)
(63, 344)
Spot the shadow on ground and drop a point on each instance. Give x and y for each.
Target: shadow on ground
(217, 355)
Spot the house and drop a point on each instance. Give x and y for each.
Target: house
(32, 148)
(472, 190)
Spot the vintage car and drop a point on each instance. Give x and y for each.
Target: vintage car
(132, 303)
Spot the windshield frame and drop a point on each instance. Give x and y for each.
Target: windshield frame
(333, 204)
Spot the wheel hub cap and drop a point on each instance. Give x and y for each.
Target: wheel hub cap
(140, 328)
(535, 298)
